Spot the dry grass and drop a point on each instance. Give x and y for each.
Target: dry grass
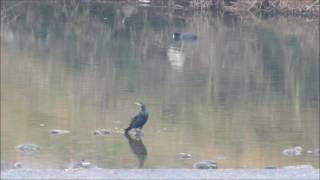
(296, 7)
(293, 7)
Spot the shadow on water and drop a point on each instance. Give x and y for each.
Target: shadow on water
(138, 149)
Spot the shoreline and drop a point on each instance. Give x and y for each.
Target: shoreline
(99, 173)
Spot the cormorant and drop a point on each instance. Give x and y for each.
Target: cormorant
(140, 119)
(187, 36)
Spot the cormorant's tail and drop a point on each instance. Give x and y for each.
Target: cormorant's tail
(127, 130)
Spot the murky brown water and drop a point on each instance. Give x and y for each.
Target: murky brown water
(242, 93)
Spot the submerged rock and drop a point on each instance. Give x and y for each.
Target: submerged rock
(101, 132)
(27, 148)
(79, 165)
(295, 151)
(205, 164)
(270, 167)
(58, 132)
(17, 165)
(82, 164)
(144, 1)
(184, 156)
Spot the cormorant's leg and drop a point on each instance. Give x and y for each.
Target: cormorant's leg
(137, 131)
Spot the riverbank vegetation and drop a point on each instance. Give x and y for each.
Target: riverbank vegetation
(265, 7)
(288, 7)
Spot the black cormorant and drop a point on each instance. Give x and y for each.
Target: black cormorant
(140, 119)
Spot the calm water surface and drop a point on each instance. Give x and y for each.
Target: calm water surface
(247, 89)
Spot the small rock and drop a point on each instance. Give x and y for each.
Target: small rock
(184, 156)
(309, 152)
(27, 148)
(205, 164)
(295, 151)
(82, 164)
(144, 1)
(270, 167)
(17, 165)
(101, 132)
(59, 132)
(41, 125)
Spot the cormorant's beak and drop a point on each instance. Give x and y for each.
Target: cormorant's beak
(138, 103)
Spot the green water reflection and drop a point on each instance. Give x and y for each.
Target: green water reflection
(240, 94)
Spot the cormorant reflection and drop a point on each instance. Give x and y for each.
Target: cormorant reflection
(138, 149)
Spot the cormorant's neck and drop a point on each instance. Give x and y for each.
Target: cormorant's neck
(143, 109)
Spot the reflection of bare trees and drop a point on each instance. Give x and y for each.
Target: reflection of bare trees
(176, 58)
(230, 60)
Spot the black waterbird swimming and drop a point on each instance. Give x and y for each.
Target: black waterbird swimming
(185, 36)
(140, 119)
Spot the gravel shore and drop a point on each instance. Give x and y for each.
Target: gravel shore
(98, 173)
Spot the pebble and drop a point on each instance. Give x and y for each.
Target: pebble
(309, 152)
(83, 164)
(59, 132)
(101, 132)
(27, 148)
(184, 156)
(144, 1)
(17, 165)
(295, 151)
(205, 164)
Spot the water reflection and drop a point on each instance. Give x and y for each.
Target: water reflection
(176, 58)
(128, 10)
(246, 90)
(138, 148)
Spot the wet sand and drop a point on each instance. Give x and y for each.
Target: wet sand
(98, 173)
